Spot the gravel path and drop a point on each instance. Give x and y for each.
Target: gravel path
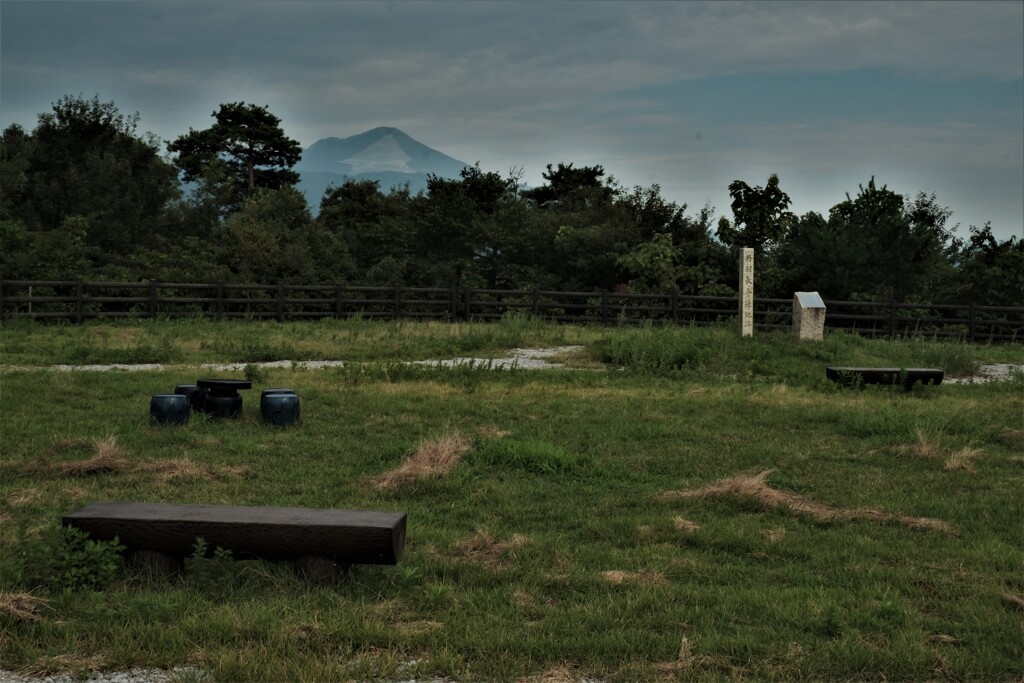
(525, 359)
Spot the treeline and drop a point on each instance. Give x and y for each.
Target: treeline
(86, 196)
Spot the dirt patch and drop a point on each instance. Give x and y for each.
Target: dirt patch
(431, 459)
(752, 487)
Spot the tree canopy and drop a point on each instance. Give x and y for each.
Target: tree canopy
(246, 146)
(84, 195)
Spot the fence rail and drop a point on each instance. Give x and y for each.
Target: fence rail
(82, 300)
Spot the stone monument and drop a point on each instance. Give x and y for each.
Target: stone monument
(747, 292)
(808, 316)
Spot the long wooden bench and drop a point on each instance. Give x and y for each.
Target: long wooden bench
(905, 377)
(339, 536)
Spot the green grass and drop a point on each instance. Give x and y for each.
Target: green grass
(552, 546)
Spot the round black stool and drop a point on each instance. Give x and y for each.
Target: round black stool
(280, 409)
(169, 408)
(195, 395)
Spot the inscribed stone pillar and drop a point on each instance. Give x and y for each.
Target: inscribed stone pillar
(808, 316)
(747, 292)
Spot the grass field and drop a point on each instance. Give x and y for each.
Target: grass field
(684, 505)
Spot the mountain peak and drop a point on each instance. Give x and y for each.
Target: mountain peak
(385, 154)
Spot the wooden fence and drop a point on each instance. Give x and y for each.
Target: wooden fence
(81, 300)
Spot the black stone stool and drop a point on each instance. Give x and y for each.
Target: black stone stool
(169, 408)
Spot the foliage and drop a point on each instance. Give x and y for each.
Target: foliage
(83, 196)
(873, 247)
(761, 216)
(247, 143)
(67, 559)
(83, 183)
(992, 271)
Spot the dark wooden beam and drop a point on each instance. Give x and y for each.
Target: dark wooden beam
(906, 377)
(345, 536)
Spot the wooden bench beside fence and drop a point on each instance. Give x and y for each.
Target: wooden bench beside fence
(341, 537)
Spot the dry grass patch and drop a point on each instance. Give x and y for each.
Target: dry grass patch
(484, 548)
(558, 674)
(20, 606)
(432, 458)
(164, 471)
(774, 535)
(752, 487)
(618, 577)
(21, 497)
(108, 457)
(492, 433)
(962, 459)
(685, 525)
(1014, 600)
(925, 447)
(67, 664)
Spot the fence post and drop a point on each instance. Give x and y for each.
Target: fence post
(338, 289)
(971, 322)
(453, 301)
(79, 302)
(218, 307)
(536, 302)
(396, 303)
(675, 308)
(469, 302)
(152, 298)
(1, 299)
(892, 318)
(280, 302)
(604, 308)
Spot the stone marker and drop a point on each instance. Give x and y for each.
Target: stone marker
(808, 316)
(747, 292)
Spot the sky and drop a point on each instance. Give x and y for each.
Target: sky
(923, 96)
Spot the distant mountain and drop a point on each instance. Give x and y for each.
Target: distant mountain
(386, 155)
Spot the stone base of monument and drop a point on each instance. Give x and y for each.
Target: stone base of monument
(808, 316)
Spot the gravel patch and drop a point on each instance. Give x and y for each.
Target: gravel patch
(524, 359)
(997, 372)
(136, 675)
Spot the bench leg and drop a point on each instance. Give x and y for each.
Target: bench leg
(320, 569)
(156, 563)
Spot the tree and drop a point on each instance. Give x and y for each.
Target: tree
(572, 186)
(761, 216)
(874, 246)
(273, 238)
(85, 166)
(990, 271)
(248, 145)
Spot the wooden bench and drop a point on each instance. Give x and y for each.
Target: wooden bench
(906, 377)
(334, 536)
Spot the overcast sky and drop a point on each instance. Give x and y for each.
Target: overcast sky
(926, 97)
